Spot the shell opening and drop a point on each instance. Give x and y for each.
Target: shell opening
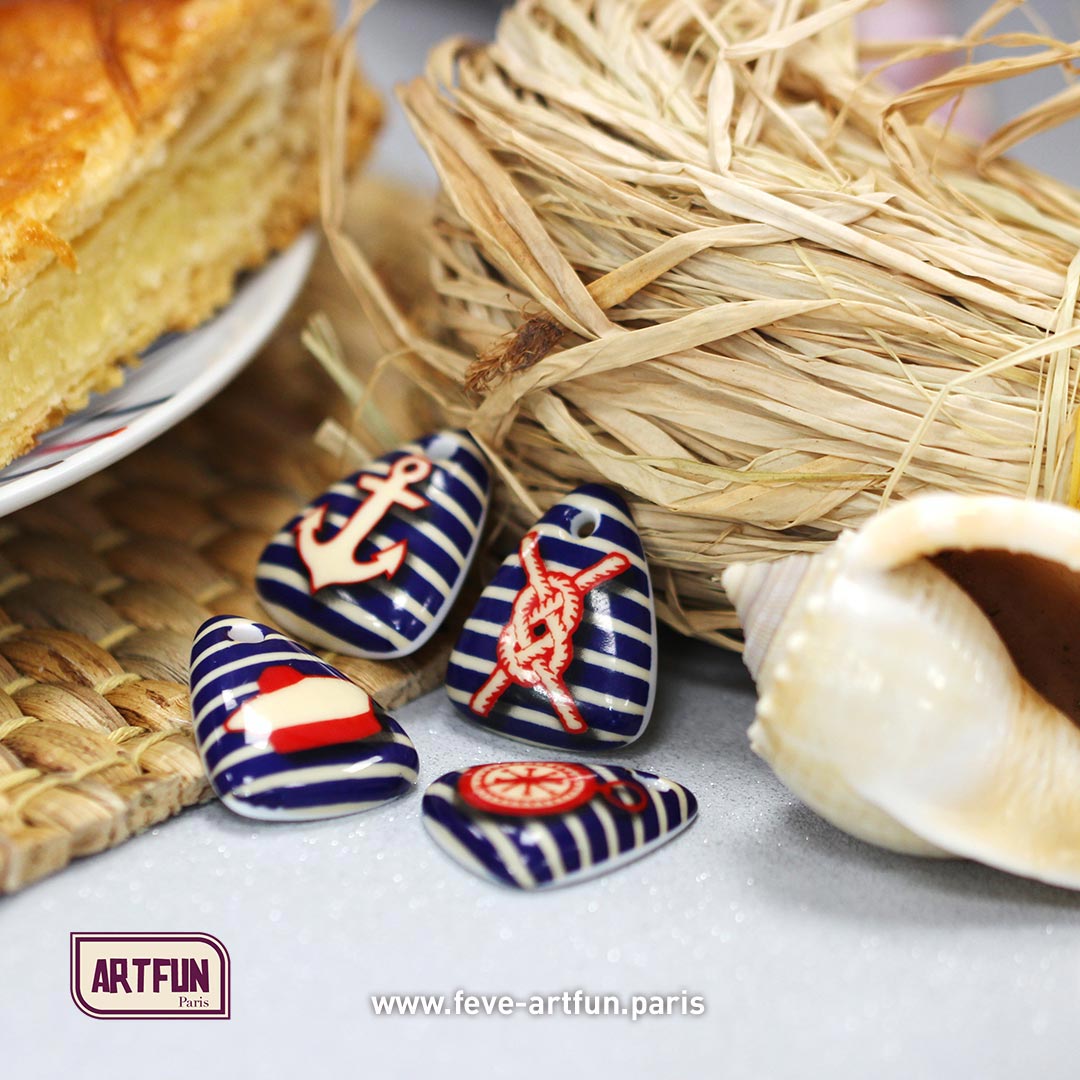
(1034, 605)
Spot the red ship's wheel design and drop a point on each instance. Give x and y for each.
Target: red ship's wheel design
(538, 788)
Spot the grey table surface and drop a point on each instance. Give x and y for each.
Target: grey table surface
(818, 955)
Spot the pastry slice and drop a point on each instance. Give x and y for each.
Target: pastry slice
(149, 150)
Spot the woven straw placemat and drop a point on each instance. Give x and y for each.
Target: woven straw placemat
(102, 588)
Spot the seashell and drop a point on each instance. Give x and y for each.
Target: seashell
(918, 681)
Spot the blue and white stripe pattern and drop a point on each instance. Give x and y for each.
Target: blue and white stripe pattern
(558, 848)
(394, 613)
(611, 675)
(229, 656)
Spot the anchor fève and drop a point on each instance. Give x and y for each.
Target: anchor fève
(373, 564)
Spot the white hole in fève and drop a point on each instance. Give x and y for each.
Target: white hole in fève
(585, 524)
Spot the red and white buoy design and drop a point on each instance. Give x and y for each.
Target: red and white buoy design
(294, 712)
(540, 788)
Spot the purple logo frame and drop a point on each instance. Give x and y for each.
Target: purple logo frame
(150, 976)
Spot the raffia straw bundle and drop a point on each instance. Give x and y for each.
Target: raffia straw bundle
(689, 247)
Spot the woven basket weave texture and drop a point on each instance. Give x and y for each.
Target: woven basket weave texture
(101, 590)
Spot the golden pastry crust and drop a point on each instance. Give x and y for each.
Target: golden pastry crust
(167, 143)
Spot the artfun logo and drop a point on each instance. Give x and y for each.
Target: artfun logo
(150, 976)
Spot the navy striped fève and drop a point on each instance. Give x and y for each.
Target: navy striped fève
(538, 824)
(560, 650)
(284, 735)
(373, 565)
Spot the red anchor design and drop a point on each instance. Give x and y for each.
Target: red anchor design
(535, 647)
(333, 561)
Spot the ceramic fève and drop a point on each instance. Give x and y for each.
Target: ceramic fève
(373, 565)
(560, 650)
(284, 735)
(537, 824)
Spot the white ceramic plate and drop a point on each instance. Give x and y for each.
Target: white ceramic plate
(177, 375)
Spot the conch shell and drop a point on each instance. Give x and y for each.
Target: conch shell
(919, 681)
